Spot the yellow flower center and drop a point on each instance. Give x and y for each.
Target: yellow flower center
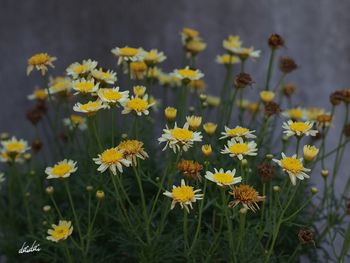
(128, 51)
(182, 134)
(76, 119)
(39, 59)
(189, 32)
(187, 73)
(15, 147)
(111, 95)
(137, 104)
(111, 156)
(151, 56)
(223, 178)
(84, 86)
(238, 131)
(295, 113)
(61, 169)
(292, 164)
(60, 232)
(61, 85)
(90, 106)
(40, 94)
(79, 69)
(299, 127)
(130, 146)
(239, 148)
(183, 193)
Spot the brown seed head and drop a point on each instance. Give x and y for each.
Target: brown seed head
(190, 169)
(287, 65)
(265, 172)
(272, 108)
(336, 97)
(275, 41)
(289, 89)
(306, 236)
(242, 80)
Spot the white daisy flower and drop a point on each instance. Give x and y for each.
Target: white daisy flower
(138, 105)
(85, 86)
(293, 167)
(113, 95)
(14, 146)
(128, 54)
(76, 69)
(112, 159)
(298, 128)
(90, 107)
(62, 169)
(222, 178)
(188, 74)
(108, 76)
(237, 132)
(61, 231)
(236, 147)
(75, 121)
(184, 195)
(38, 94)
(179, 138)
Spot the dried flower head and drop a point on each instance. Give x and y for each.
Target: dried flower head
(272, 108)
(265, 171)
(190, 169)
(275, 41)
(306, 236)
(247, 196)
(336, 97)
(37, 144)
(287, 65)
(242, 80)
(289, 89)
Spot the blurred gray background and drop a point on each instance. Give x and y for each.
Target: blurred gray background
(316, 35)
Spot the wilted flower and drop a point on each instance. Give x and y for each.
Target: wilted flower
(288, 89)
(306, 236)
(247, 196)
(275, 41)
(190, 169)
(272, 108)
(265, 171)
(287, 65)
(132, 149)
(242, 80)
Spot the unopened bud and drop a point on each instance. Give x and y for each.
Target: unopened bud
(89, 188)
(49, 190)
(46, 208)
(100, 194)
(276, 188)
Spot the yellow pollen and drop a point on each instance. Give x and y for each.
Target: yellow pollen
(84, 86)
(239, 148)
(187, 73)
(238, 131)
(137, 104)
(223, 178)
(292, 164)
(182, 134)
(39, 59)
(128, 51)
(60, 232)
(111, 156)
(299, 126)
(183, 193)
(112, 95)
(61, 169)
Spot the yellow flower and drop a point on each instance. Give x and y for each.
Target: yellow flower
(237, 132)
(213, 101)
(60, 85)
(113, 95)
(154, 57)
(310, 152)
(188, 34)
(90, 108)
(267, 96)
(188, 74)
(184, 195)
(170, 113)
(126, 54)
(62, 169)
(207, 150)
(112, 159)
(14, 146)
(236, 147)
(179, 138)
(222, 178)
(100, 194)
(108, 76)
(298, 128)
(247, 196)
(38, 94)
(194, 122)
(139, 91)
(245, 53)
(195, 46)
(227, 59)
(75, 121)
(138, 105)
(40, 61)
(132, 149)
(197, 84)
(76, 69)
(138, 69)
(61, 231)
(84, 86)
(294, 113)
(232, 43)
(293, 167)
(210, 128)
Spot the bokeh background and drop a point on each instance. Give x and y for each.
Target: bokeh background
(316, 35)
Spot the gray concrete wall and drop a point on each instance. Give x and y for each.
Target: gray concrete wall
(316, 34)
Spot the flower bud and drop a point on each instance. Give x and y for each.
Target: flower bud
(46, 208)
(170, 113)
(276, 189)
(244, 162)
(287, 65)
(209, 128)
(269, 156)
(100, 194)
(314, 190)
(194, 122)
(207, 150)
(325, 173)
(124, 136)
(267, 96)
(89, 188)
(203, 97)
(243, 210)
(49, 190)
(310, 152)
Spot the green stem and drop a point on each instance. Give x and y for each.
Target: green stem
(269, 70)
